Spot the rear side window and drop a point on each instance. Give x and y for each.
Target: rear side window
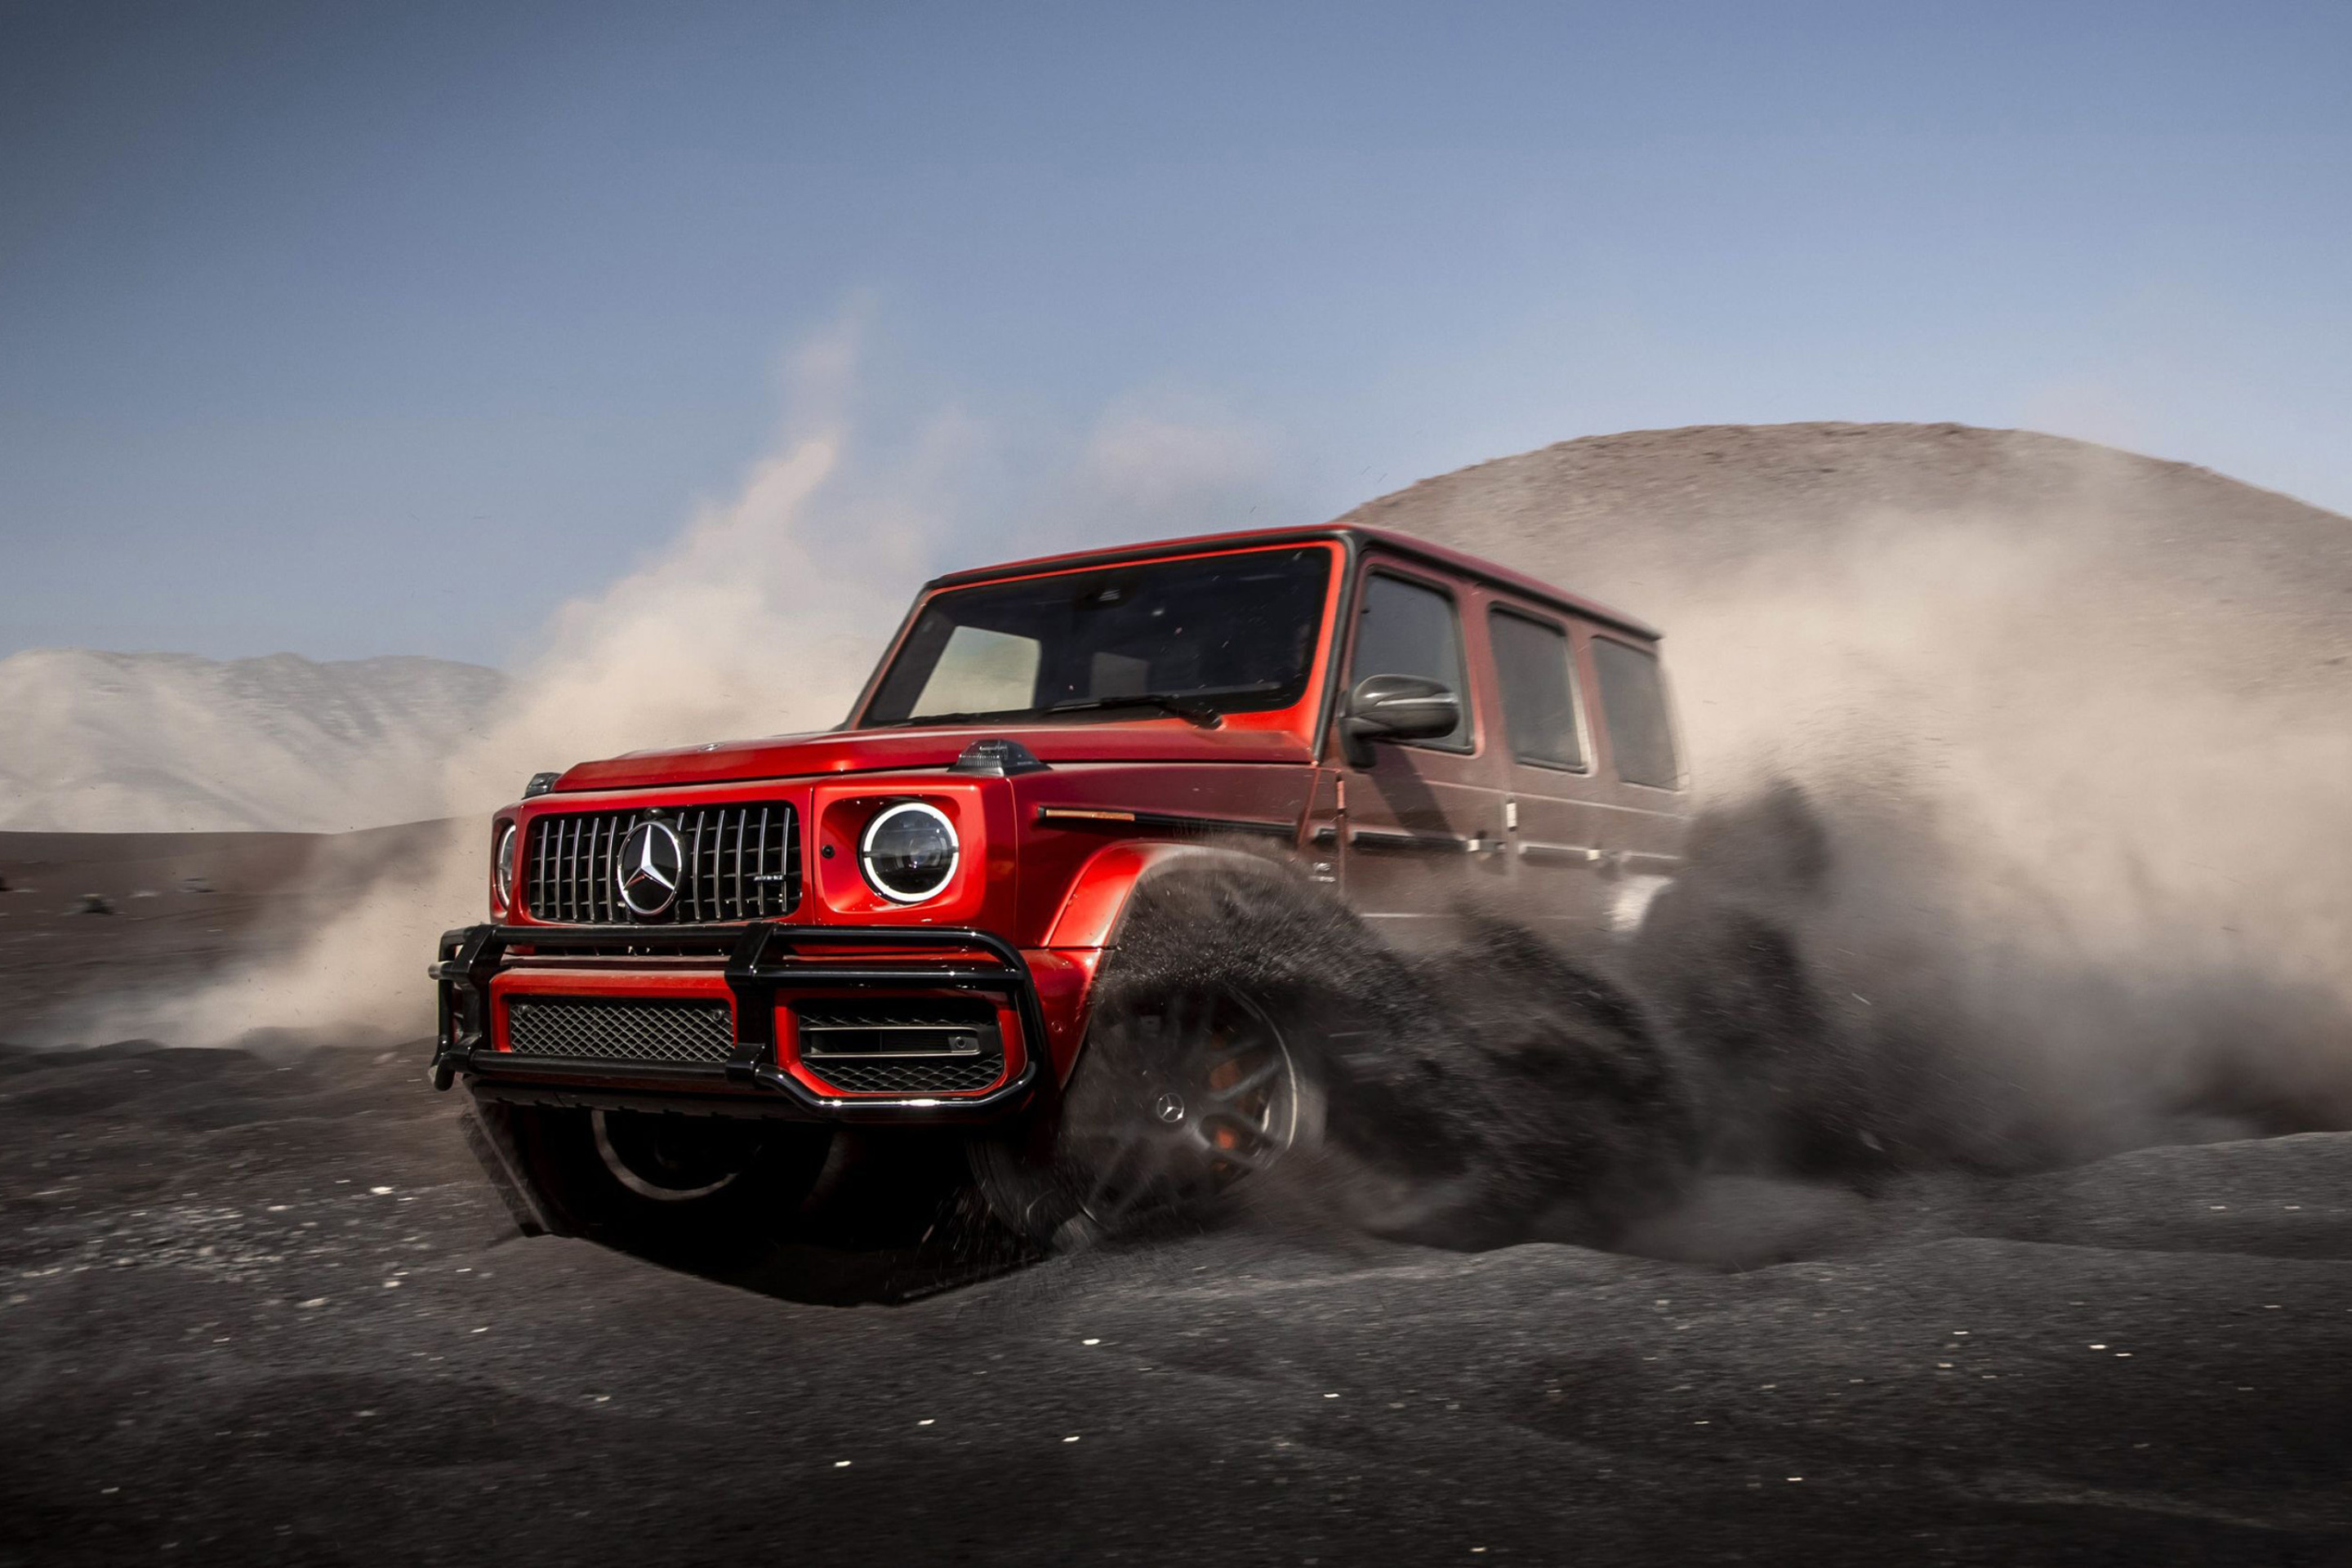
(1538, 675)
(1409, 629)
(1633, 705)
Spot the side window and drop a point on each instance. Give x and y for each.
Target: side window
(1538, 675)
(1634, 704)
(1405, 628)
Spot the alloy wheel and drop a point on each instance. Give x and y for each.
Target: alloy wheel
(1193, 1092)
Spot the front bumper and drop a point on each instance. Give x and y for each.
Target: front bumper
(764, 963)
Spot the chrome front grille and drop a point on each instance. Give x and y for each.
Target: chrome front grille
(586, 1027)
(739, 862)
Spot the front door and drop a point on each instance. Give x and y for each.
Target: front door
(1423, 823)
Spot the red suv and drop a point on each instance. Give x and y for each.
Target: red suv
(700, 961)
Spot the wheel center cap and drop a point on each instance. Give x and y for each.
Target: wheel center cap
(1168, 1108)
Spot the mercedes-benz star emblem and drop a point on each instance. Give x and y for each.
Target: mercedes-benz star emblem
(647, 868)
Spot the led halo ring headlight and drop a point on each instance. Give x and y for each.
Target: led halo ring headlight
(503, 876)
(909, 852)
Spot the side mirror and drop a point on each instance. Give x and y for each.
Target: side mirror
(1396, 707)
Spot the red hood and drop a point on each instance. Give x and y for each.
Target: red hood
(875, 751)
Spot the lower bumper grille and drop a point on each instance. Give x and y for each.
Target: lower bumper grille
(910, 1076)
(696, 1033)
(664, 1033)
(897, 1047)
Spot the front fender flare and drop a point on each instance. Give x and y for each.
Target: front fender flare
(1104, 888)
(1088, 923)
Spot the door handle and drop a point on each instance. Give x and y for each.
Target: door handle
(1385, 838)
(1559, 854)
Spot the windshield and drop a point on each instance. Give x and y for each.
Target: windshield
(1215, 634)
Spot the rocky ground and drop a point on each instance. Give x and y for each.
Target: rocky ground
(267, 1311)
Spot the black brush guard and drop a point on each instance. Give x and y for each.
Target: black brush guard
(764, 959)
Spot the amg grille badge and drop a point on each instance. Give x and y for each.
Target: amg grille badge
(647, 868)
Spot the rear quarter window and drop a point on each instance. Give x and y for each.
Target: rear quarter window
(1633, 707)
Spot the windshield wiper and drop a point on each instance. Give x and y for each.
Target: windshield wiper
(1190, 708)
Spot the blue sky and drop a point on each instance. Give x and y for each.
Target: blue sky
(352, 330)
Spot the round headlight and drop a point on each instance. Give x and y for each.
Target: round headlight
(908, 853)
(505, 862)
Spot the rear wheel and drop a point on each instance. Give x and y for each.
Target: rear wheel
(690, 1188)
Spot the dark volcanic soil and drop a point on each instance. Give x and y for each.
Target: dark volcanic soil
(267, 1311)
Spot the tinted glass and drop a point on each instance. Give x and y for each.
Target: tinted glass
(1633, 705)
(1538, 675)
(1230, 632)
(1407, 629)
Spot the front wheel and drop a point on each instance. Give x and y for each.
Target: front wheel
(1178, 1096)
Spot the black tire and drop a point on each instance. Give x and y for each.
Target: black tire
(1180, 1095)
(697, 1189)
(1202, 1067)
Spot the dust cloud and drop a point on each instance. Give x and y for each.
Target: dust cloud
(2086, 868)
(2077, 874)
(2117, 693)
(762, 617)
(2094, 750)
(2023, 839)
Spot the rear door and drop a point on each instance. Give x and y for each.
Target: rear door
(1559, 801)
(1422, 826)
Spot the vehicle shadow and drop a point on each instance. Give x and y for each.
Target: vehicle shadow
(892, 1219)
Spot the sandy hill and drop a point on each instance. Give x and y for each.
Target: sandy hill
(1815, 580)
(1646, 517)
(170, 743)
